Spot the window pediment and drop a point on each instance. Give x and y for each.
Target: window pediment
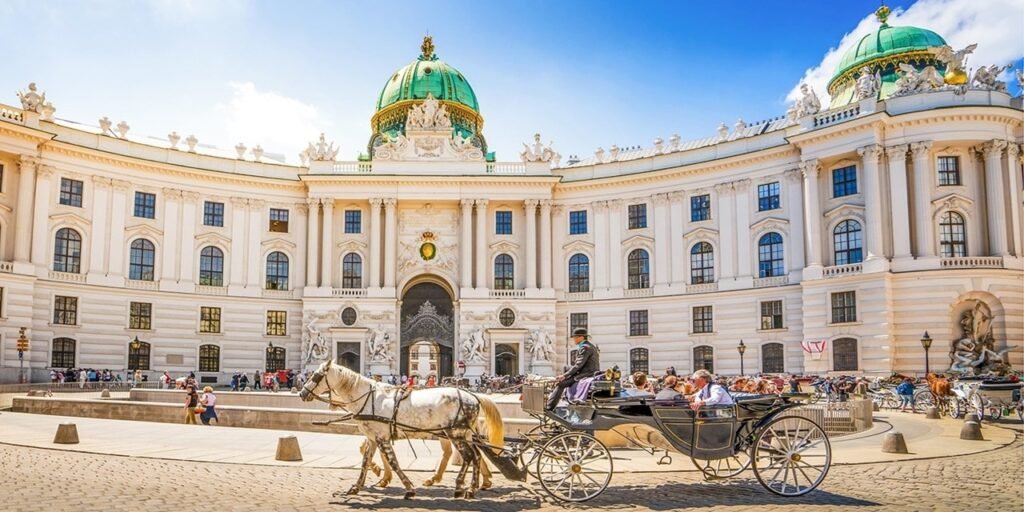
(70, 218)
(351, 246)
(953, 201)
(213, 239)
(769, 224)
(279, 242)
(504, 246)
(637, 241)
(143, 230)
(578, 246)
(701, 233)
(845, 210)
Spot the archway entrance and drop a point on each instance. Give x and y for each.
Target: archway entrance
(428, 331)
(506, 359)
(348, 356)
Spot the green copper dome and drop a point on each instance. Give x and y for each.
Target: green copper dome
(427, 74)
(886, 42)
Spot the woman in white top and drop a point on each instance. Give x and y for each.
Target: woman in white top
(209, 400)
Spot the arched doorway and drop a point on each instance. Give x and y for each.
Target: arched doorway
(506, 359)
(428, 331)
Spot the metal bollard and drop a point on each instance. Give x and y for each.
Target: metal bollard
(67, 433)
(288, 449)
(893, 442)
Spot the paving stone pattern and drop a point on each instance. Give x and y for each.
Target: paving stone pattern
(36, 479)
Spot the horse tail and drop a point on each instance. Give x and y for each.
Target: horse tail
(493, 426)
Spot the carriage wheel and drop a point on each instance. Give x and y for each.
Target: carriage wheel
(923, 400)
(791, 456)
(995, 413)
(956, 408)
(723, 468)
(537, 435)
(574, 466)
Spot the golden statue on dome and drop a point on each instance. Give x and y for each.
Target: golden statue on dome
(882, 13)
(427, 48)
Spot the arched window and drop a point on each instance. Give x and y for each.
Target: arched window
(209, 358)
(67, 251)
(844, 355)
(140, 261)
(275, 359)
(211, 266)
(352, 271)
(62, 355)
(704, 358)
(639, 269)
(773, 358)
(639, 361)
(579, 273)
(702, 263)
(277, 271)
(769, 256)
(138, 355)
(504, 272)
(952, 235)
(847, 243)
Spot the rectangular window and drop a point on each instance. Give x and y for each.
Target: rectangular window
(702, 319)
(502, 223)
(844, 307)
(771, 314)
(213, 214)
(577, 321)
(71, 192)
(277, 322)
(278, 220)
(844, 181)
(768, 196)
(637, 216)
(638, 323)
(140, 316)
(209, 319)
(65, 310)
(700, 208)
(209, 358)
(578, 222)
(353, 221)
(145, 205)
(949, 170)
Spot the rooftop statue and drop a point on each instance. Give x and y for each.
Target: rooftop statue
(808, 103)
(1020, 82)
(322, 152)
(912, 81)
(868, 84)
(538, 152)
(987, 78)
(105, 124)
(429, 115)
(955, 63)
(30, 99)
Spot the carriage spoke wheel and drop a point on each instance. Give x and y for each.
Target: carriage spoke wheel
(723, 468)
(956, 407)
(791, 456)
(574, 467)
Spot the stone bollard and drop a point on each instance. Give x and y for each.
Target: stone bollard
(893, 442)
(875, 407)
(971, 431)
(932, 413)
(67, 433)
(105, 393)
(288, 449)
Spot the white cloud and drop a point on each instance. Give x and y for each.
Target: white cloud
(277, 123)
(996, 25)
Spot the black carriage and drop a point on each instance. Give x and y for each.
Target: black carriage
(789, 454)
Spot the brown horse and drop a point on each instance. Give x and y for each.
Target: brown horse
(941, 389)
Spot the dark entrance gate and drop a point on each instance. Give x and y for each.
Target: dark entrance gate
(428, 332)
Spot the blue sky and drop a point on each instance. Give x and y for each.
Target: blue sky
(584, 74)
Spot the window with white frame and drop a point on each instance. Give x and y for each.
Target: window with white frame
(952, 235)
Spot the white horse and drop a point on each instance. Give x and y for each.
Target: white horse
(448, 412)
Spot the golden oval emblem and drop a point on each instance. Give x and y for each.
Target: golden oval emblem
(428, 251)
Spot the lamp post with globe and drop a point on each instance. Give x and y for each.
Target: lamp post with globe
(926, 342)
(741, 348)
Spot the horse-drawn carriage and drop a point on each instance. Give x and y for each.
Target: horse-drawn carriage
(790, 455)
(983, 396)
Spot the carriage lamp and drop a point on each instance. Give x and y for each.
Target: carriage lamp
(926, 342)
(741, 348)
(135, 343)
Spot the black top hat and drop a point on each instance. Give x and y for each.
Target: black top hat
(580, 331)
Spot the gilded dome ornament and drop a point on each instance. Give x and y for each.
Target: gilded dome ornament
(882, 13)
(427, 49)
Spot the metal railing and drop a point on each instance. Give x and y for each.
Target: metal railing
(77, 387)
(838, 418)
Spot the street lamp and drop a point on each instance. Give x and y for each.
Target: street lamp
(270, 346)
(22, 348)
(926, 342)
(741, 349)
(136, 343)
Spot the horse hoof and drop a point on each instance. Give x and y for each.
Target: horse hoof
(486, 485)
(383, 483)
(410, 495)
(460, 494)
(429, 483)
(353, 491)
(376, 470)
(470, 495)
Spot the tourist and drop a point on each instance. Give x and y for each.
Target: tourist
(669, 393)
(300, 380)
(906, 392)
(60, 377)
(234, 382)
(137, 378)
(243, 381)
(794, 384)
(432, 381)
(53, 376)
(257, 382)
(209, 400)
(191, 401)
(82, 377)
(642, 383)
(708, 391)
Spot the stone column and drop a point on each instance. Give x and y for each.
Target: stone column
(900, 202)
(531, 242)
(601, 251)
(662, 242)
(374, 266)
(187, 251)
(994, 187)
(170, 253)
(1012, 156)
(236, 270)
(559, 235)
(23, 217)
(810, 169)
(726, 253)
(795, 257)
(481, 244)
(870, 156)
(41, 217)
(971, 173)
(466, 244)
(614, 255)
(327, 255)
(390, 241)
(677, 228)
(312, 242)
(100, 225)
(924, 232)
(545, 244)
(118, 213)
(744, 246)
(254, 243)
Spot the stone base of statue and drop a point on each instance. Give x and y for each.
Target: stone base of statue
(474, 370)
(544, 368)
(380, 368)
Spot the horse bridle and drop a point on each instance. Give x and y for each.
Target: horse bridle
(315, 379)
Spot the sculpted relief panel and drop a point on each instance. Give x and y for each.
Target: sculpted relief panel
(428, 240)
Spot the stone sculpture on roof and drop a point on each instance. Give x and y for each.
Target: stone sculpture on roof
(808, 103)
(538, 152)
(955, 63)
(987, 78)
(912, 81)
(30, 99)
(322, 151)
(868, 84)
(429, 115)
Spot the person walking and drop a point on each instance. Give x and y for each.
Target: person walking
(906, 392)
(243, 381)
(191, 401)
(209, 400)
(257, 382)
(82, 376)
(588, 362)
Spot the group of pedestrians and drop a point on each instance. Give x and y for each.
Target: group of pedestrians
(86, 377)
(204, 405)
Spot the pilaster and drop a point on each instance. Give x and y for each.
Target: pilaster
(481, 244)
(810, 170)
(530, 206)
(875, 260)
(924, 237)
(545, 244)
(897, 156)
(23, 218)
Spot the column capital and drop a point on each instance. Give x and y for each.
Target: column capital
(921, 149)
(28, 161)
(312, 202)
(1012, 151)
(793, 175)
(390, 202)
(677, 195)
(724, 188)
(741, 185)
(256, 204)
(660, 199)
(531, 204)
(615, 204)
(481, 202)
(239, 202)
(327, 203)
(101, 181)
(558, 208)
(545, 204)
(45, 171)
(466, 203)
(870, 153)
(992, 149)
(897, 152)
(121, 185)
(600, 206)
(189, 196)
(171, 192)
(810, 168)
(300, 208)
(375, 202)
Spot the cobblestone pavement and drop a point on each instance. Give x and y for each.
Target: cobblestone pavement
(46, 480)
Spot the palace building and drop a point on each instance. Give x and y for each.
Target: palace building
(827, 240)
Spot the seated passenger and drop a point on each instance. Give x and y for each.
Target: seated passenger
(641, 382)
(708, 392)
(669, 393)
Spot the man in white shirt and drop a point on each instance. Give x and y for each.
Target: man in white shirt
(708, 393)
